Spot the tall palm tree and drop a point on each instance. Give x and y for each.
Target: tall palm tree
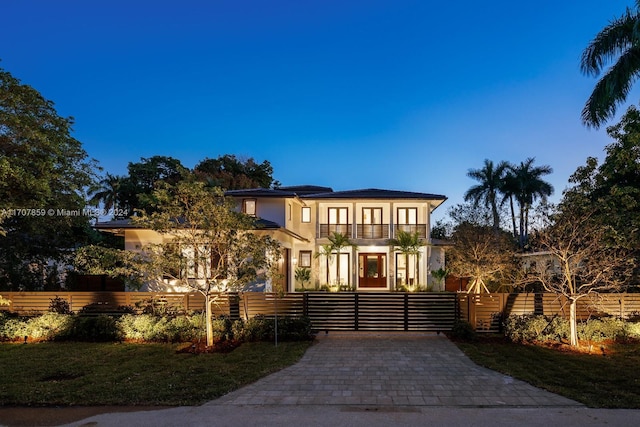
(619, 41)
(490, 180)
(107, 192)
(509, 189)
(528, 186)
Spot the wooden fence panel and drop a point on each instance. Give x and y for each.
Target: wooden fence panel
(269, 304)
(31, 303)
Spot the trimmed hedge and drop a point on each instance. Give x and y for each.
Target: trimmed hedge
(530, 328)
(148, 328)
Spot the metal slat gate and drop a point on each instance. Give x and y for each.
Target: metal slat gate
(381, 311)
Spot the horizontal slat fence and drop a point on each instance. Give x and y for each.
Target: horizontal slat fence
(363, 311)
(266, 304)
(31, 303)
(486, 312)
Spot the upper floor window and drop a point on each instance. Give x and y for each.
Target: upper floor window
(306, 214)
(249, 206)
(338, 222)
(338, 216)
(372, 215)
(371, 227)
(408, 216)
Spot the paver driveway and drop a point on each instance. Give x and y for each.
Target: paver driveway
(403, 368)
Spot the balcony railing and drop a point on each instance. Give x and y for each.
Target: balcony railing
(421, 229)
(372, 231)
(327, 230)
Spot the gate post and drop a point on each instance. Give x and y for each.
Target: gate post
(305, 304)
(355, 311)
(406, 311)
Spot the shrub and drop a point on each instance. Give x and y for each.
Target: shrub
(529, 328)
(45, 327)
(59, 305)
(101, 328)
(261, 328)
(294, 328)
(10, 324)
(606, 328)
(462, 330)
(145, 327)
(534, 327)
(222, 328)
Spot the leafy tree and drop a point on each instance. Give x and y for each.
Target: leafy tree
(231, 173)
(136, 190)
(612, 189)
(580, 259)
(408, 244)
(208, 246)
(490, 180)
(478, 252)
(619, 41)
(44, 174)
(116, 263)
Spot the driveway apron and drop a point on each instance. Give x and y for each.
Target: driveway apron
(390, 369)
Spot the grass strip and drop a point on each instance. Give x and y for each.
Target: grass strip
(609, 379)
(132, 374)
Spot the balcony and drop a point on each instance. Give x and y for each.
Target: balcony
(327, 230)
(421, 229)
(372, 231)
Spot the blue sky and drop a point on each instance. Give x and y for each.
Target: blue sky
(403, 94)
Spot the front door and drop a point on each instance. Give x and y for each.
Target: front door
(372, 270)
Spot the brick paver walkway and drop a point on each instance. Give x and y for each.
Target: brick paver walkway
(383, 369)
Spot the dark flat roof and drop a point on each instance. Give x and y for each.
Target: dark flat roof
(317, 192)
(375, 193)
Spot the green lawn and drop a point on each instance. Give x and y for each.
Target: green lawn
(132, 374)
(600, 380)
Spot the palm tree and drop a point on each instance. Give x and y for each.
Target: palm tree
(107, 192)
(408, 244)
(490, 180)
(337, 241)
(527, 186)
(619, 39)
(509, 189)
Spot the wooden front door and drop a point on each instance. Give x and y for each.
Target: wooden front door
(372, 270)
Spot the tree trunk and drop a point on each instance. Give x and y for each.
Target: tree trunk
(513, 217)
(573, 323)
(209, 321)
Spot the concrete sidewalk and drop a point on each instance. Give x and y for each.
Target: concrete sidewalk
(380, 379)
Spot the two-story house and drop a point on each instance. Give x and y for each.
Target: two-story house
(305, 219)
(310, 216)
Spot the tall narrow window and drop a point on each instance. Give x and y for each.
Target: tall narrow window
(408, 216)
(249, 206)
(306, 214)
(339, 220)
(371, 223)
(289, 210)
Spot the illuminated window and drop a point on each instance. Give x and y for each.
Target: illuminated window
(305, 259)
(249, 206)
(306, 214)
